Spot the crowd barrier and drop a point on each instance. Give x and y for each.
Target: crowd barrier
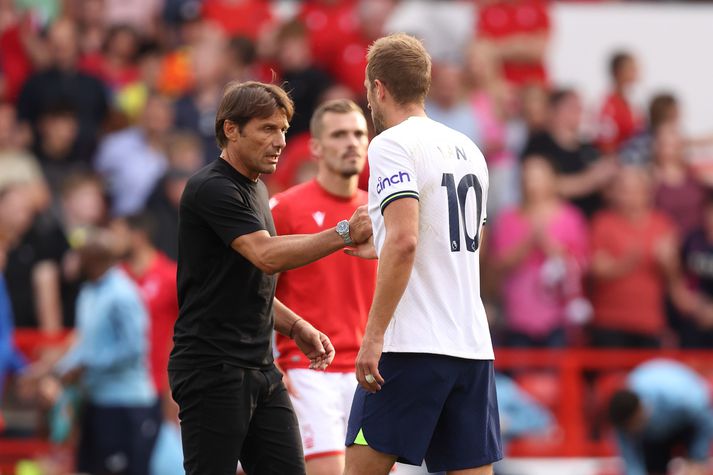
(574, 384)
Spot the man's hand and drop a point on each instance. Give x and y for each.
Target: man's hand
(314, 344)
(360, 225)
(367, 364)
(49, 390)
(365, 250)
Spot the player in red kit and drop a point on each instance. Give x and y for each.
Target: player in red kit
(155, 276)
(333, 293)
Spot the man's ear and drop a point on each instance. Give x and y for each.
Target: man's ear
(315, 148)
(379, 89)
(231, 130)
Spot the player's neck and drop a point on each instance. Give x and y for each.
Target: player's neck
(401, 113)
(338, 185)
(235, 162)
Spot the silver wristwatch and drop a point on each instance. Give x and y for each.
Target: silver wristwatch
(343, 231)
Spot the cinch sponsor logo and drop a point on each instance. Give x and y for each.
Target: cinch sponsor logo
(383, 183)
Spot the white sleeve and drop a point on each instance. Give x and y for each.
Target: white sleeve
(392, 172)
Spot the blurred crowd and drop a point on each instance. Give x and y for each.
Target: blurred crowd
(600, 227)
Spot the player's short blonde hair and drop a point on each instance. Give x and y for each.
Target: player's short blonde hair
(403, 65)
(336, 106)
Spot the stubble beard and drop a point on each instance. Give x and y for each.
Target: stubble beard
(378, 120)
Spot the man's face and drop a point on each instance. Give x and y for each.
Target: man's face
(260, 142)
(377, 116)
(341, 147)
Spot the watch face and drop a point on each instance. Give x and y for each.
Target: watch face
(343, 227)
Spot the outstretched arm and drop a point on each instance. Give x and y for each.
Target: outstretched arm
(273, 254)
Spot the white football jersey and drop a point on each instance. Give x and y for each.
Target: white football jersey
(441, 311)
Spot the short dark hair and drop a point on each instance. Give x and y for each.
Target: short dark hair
(617, 61)
(660, 109)
(249, 100)
(337, 106)
(79, 178)
(623, 406)
(144, 222)
(558, 96)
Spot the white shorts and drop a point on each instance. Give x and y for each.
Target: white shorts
(323, 404)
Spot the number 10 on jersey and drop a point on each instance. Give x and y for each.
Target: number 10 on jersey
(457, 196)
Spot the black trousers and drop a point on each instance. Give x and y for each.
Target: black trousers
(117, 439)
(230, 414)
(659, 452)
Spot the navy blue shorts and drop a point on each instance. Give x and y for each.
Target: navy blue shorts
(433, 407)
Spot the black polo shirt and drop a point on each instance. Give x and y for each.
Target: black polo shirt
(225, 301)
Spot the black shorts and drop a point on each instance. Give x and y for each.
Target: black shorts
(433, 407)
(230, 414)
(117, 439)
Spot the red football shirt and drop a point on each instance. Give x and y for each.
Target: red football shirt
(617, 123)
(158, 291)
(507, 19)
(334, 293)
(239, 17)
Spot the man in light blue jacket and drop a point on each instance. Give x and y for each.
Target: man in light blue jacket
(664, 412)
(120, 416)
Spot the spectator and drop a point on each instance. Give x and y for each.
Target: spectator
(638, 150)
(15, 56)
(540, 250)
(64, 83)
(15, 219)
(196, 110)
(488, 98)
(139, 14)
(447, 102)
(340, 32)
(306, 82)
(12, 135)
(241, 59)
(678, 193)
(32, 270)
(519, 31)
(57, 146)
(115, 64)
(583, 173)
(634, 255)
(534, 109)
(665, 406)
(90, 18)
(132, 160)
(82, 203)
(131, 98)
(155, 276)
(618, 122)
(185, 156)
(120, 419)
(250, 18)
(696, 328)
(520, 414)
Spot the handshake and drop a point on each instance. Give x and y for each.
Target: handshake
(359, 232)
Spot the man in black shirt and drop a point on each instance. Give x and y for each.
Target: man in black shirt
(582, 171)
(233, 404)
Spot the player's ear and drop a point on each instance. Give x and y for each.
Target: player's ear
(315, 148)
(231, 130)
(379, 89)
